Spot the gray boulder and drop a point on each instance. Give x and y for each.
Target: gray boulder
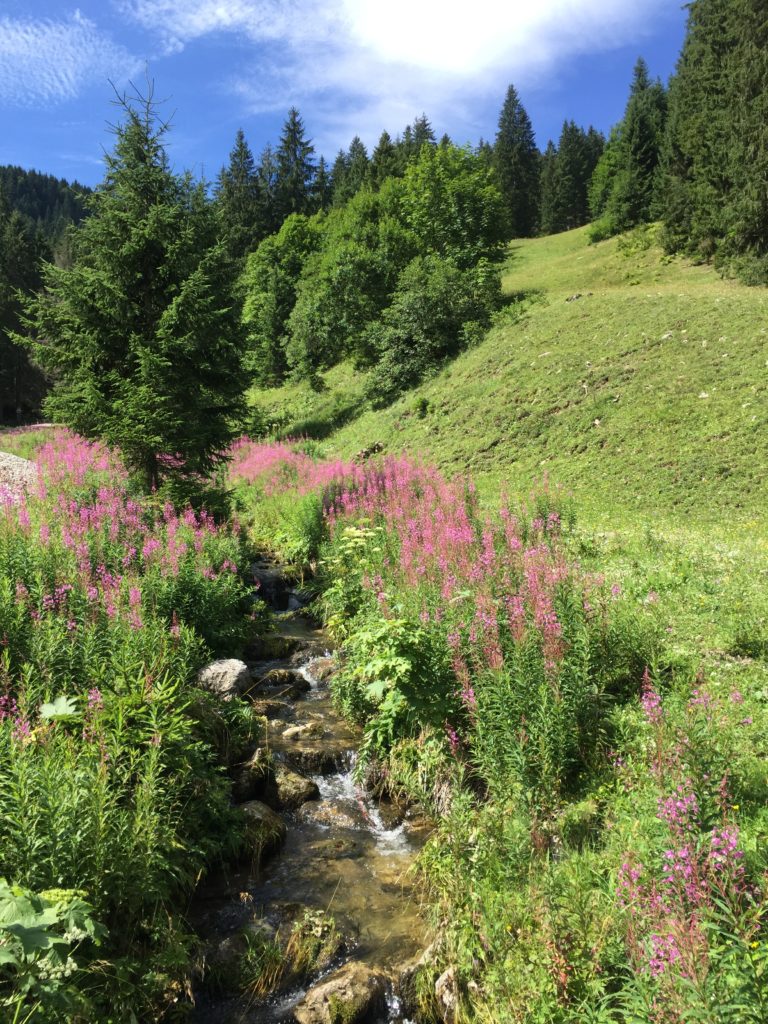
(227, 678)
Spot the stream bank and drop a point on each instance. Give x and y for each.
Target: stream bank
(333, 852)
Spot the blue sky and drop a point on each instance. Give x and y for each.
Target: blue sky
(350, 66)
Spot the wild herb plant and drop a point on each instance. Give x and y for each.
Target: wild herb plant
(110, 784)
(599, 854)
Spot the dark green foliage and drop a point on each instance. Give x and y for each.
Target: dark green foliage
(565, 175)
(267, 174)
(629, 177)
(322, 187)
(140, 333)
(385, 162)
(316, 293)
(452, 204)
(50, 203)
(351, 170)
(436, 311)
(295, 169)
(238, 201)
(22, 386)
(601, 182)
(349, 282)
(714, 200)
(423, 133)
(516, 159)
(269, 284)
(339, 172)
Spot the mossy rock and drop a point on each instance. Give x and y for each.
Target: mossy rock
(353, 994)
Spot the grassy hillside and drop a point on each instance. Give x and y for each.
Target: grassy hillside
(646, 393)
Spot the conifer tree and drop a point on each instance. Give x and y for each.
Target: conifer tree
(748, 202)
(633, 155)
(357, 166)
(295, 168)
(339, 173)
(516, 159)
(269, 218)
(565, 177)
(21, 249)
(238, 201)
(141, 333)
(322, 187)
(384, 160)
(423, 133)
(715, 162)
(550, 201)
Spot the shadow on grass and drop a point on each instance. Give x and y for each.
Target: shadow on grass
(323, 423)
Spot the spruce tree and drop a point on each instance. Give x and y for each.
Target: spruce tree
(384, 161)
(565, 177)
(357, 166)
(423, 133)
(140, 333)
(628, 172)
(549, 212)
(707, 162)
(238, 201)
(747, 205)
(516, 159)
(22, 386)
(339, 173)
(642, 134)
(269, 218)
(322, 187)
(295, 168)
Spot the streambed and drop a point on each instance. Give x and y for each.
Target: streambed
(344, 853)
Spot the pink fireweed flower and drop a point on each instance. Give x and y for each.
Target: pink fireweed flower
(664, 953)
(650, 701)
(95, 700)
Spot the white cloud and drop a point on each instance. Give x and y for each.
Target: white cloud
(50, 61)
(353, 63)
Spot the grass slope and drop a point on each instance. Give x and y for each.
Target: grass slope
(646, 394)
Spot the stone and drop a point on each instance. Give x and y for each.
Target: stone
(273, 647)
(284, 682)
(339, 848)
(447, 995)
(293, 789)
(322, 669)
(279, 678)
(307, 731)
(351, 995)
(250, 778)
(407, 978)
(227, 678)
(271, 584)
(318, 760)
(271, 708)
(266, 829)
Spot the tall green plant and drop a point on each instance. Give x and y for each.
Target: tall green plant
(141, 334)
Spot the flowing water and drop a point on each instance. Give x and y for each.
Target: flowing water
(343, 852)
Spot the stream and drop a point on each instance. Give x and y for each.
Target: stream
(344, 852)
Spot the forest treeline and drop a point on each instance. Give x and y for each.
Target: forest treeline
(391, 257)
